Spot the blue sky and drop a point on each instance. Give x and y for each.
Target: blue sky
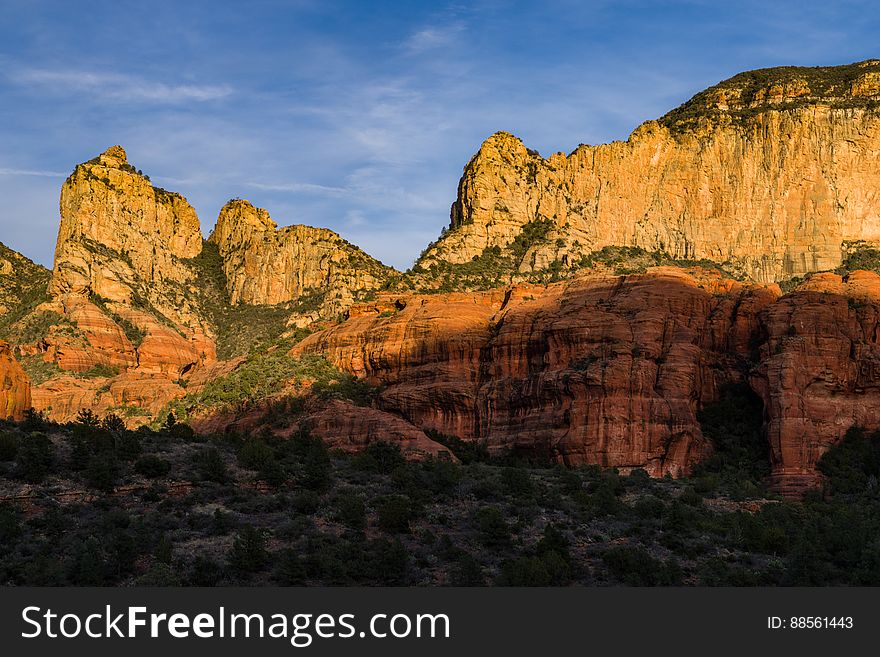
(359, 116)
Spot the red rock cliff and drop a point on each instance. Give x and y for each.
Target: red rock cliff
(15, 388)
(819, 371)
(604, 370)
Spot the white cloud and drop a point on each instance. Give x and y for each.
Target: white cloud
(435, 36)
(28, 172)
(119, 87)
(299, 187)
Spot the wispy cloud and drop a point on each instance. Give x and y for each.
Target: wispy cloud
(299, 188)
(29, 172)
(119, 87)
(434, 36)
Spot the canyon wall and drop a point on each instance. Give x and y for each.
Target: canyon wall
(769, 173)
(602, 370)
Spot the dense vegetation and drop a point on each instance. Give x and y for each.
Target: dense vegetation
(636, 260)
(244, 328)
(22, 288)
(496, 267)
(91, 503)
(858, 255)
(493, 268)
(261, 376)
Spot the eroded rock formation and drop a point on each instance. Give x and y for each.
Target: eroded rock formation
(770, 173)
(604, 370)
(351, 428)
(267, 265)
(819, 371)
(124, 240)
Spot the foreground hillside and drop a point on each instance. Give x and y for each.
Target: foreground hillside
(91, 503)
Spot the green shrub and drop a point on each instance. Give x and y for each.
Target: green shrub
(182, 431)
(548, 569)
(10, 524)
(35, 456)
(350, 511)
(380, 457)
(152, 466)
(468, 571)
(8, 446)
(465, 451)
(632, 565)
(316, 467)
(210, 466)
(102, 472)
(492, 528)
(255, 454)
(248, 553)
(853, 463)
(394, 514)
(205, 572)
(517, 482)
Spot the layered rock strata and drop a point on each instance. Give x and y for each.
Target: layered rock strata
(603, 370)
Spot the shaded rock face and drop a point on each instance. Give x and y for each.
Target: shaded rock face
(267, 265)
(15, 388)
(20, 279)
(769, 177)
(819, 372)
(352, 428)
(601, 370)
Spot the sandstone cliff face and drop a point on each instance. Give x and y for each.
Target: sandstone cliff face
(267, 265)
(15, 388)
(601, 370)
(769, 174)
(121, 300)
(819, 371)
(122, 239)
(133, 396)
(772, 173)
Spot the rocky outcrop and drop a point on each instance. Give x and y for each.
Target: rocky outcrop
(603, 370)
(133, 396)
(94, 341)
(124, 240)
(770, 173)
(15, 388)
(819, 371)
(267, 265)
(122, 308)
(350, 428)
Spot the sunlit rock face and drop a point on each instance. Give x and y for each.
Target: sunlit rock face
(15, 388)
(267, 265)
(770, 172)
